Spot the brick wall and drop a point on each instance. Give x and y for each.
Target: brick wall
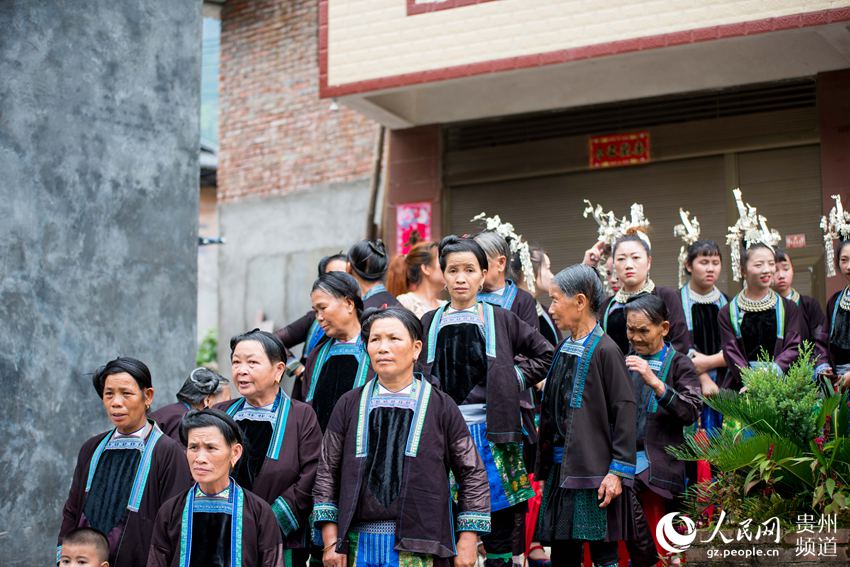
(276, 135)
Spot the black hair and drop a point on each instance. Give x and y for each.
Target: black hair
(454, 244)
(536, 255)
(631, 238)
(134, 367)
(275, 350)
(90, 537)
(780, 255)
(369, 260)
(341, 285)
(583, 279)
(408, 319)
(209, 417)
(202, 382)
(650, 305)
(745, 253)
(702, 248)
(323, 263)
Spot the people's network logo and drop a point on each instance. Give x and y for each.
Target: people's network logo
(670, 539)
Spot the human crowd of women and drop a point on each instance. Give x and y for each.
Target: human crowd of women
(435, 399)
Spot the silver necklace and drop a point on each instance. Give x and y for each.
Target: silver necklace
(624, 296)
(764, 304)
(711, 297)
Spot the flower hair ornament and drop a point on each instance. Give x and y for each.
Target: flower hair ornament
(515, 241)
(835, 226)
(689, 232)
(638, 224)
(751, 228)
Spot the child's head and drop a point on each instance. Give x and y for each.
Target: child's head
(84, 546)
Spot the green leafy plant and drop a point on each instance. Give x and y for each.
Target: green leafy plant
(784, 449)
(208, 349)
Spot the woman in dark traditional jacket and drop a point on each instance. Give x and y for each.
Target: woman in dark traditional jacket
(632, 261)
(838, 322)
(340, 363)
(216, 522)
(368, 263)
(203, 388)
(282, 437)
(667, 394)
(123, 476)
(813, 326)
(758, 320)
(587, 434)
(483, 357)
(382, 490)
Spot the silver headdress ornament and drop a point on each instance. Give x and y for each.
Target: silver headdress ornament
(689, 232)
(638, 224)
(750, 229)
(835, 226)
(609, 231)
(517, 244)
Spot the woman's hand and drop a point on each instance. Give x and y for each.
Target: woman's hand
(707, 385)
(330, 557)
(467, 550)
(701, 362)
(593, 254)
(610, 488)
(845, 380)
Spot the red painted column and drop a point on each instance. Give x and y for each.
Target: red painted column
(833, 102)
(414, 174)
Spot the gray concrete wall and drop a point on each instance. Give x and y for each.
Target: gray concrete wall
(98, 227)
(273, 246)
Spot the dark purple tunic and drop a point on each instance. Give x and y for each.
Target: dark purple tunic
(613, 321)
(168, 418)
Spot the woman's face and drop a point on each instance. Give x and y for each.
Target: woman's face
(783, 278)
(613, 280)
(125, 402)
(646, 337)
(632, 264)
(566, 312)
(705, 270)
(464, 276)
(432, 272)
(334, 314)
(392, 350)
(255, 375)
(844, 261)
(760, 268)
(210, 457)
(544, 277)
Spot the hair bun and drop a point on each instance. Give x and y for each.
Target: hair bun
(377, 246)
(205, 380)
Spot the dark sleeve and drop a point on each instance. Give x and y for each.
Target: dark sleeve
(620, 398)
(296, 332)
(163, 546)
(816, 321)
(526, 309)
(682, 398)
(679, 335)
(732, 353)
(426, 325)
(173, 475)
(532, 352)
(269, 541)
(473, 499)
(73, 505)
(298, 498)
(791, 344)
(326, 489)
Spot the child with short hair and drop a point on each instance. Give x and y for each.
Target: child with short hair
(84, 546)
